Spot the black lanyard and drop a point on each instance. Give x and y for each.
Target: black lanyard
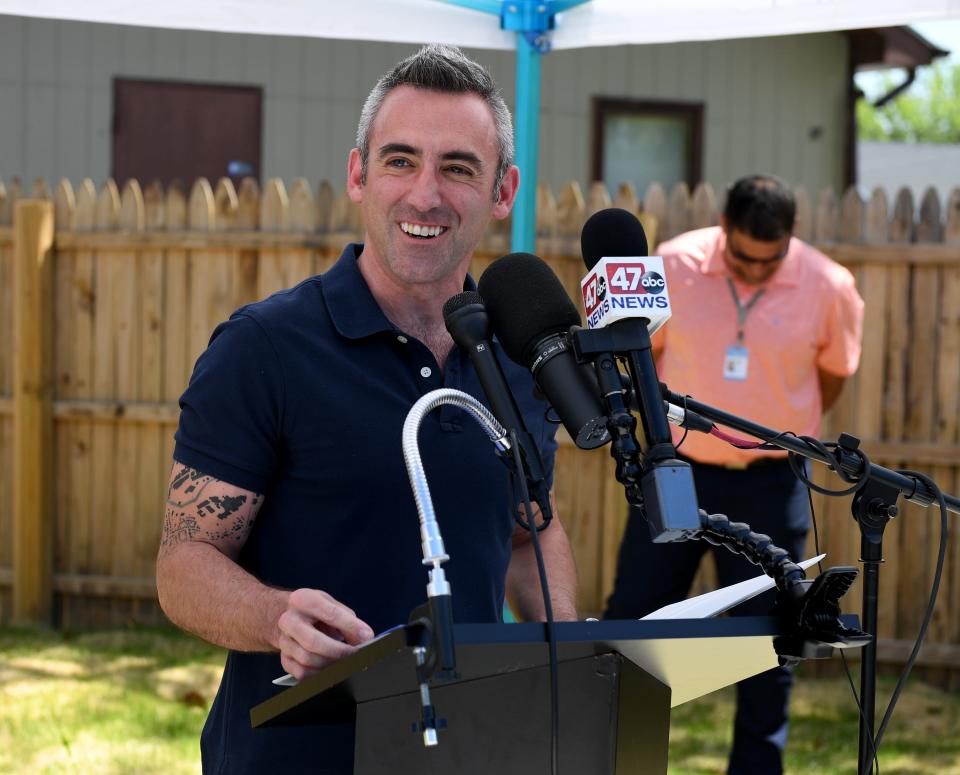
(742, 310)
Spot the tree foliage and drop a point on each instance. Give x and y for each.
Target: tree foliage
(928, 112)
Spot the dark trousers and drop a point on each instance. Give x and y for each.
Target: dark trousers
(770, 499)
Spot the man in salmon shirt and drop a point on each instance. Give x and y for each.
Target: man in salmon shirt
(768, 328)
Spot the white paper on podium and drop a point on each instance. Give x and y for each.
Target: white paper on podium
(720, 600)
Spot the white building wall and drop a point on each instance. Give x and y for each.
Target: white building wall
(914, 165)
(763, 96)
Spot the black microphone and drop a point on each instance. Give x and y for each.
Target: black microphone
(465, 317)
(669, 496)
(612, 233)
(531, 314)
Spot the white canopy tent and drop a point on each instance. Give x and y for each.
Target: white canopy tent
(474, 23)
(595, 23)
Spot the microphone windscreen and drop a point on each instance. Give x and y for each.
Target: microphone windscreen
(612, 233)
(460, 301)
(526, 302)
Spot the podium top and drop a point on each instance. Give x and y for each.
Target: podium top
(692, 656)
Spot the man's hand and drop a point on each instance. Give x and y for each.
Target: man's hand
(316, 630)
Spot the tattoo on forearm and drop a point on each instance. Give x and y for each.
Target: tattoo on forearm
(221, 506)
(187, 487)
(189, 510)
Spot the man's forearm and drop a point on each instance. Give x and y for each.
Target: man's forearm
(523, 582)
(204, 592)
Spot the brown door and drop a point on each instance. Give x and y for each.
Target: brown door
(166, 129)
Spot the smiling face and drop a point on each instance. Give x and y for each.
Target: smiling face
(429, 189)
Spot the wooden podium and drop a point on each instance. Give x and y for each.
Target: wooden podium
(618, 681)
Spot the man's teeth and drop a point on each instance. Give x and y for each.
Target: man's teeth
(421, 231)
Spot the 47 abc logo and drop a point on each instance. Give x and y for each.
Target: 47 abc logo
(635, 279)
(595, 291)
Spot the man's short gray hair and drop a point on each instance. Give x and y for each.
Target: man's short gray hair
(444, 69)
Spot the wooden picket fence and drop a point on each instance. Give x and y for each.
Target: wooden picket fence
(121, 297)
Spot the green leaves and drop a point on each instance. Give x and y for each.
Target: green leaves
(928, 112)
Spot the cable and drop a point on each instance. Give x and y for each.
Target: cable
(934, 591)
(686, 428)
(547, 605)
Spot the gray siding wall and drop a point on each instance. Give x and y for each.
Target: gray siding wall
(762, 96)
(917, 166)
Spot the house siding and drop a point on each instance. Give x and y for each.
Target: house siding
(762, 96)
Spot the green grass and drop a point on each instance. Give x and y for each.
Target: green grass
(922, 739)
(106, 703)
(133, 702)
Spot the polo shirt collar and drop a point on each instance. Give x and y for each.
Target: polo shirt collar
(353, 310)
(787, 275)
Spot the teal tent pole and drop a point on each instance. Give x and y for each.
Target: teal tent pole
(523, 233)
(531, 20)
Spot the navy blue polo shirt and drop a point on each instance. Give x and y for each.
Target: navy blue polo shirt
(302, 397)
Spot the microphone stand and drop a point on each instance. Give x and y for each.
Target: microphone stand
(435, 651)
(873, 506)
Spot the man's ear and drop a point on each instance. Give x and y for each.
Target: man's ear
(355, 177)
(506, 193)
(723, 223)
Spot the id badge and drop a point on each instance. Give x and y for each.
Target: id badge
(735, 363)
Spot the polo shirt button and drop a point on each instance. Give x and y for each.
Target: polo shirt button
(402, 339)
(425, 372)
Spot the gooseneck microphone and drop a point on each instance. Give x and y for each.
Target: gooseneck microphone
(466, 318)
(531, 314)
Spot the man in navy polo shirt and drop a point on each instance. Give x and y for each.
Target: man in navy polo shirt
(291, 533)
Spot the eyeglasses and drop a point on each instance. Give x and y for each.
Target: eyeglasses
(743, 257)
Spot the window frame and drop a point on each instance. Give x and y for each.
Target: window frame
(691, 112)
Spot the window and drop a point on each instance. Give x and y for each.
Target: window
(646, 142)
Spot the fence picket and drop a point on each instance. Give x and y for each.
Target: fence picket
(128, 298)
(225, 205)
(825, 224)
(176, 203)
(40, 189)
(598, 197)
(14, 195)
(325, 198)
(202, 212)
(626, 198)
(655, 204)
(546, 212)
(851, 217)
(153, 465)
(951, 229)
(901, 225)
(929, 228)
(64, 206)
(86, 214)
(680, 211)
(303, 208)
(571, 211)
(704, 208)
(108, 207)
(103, 442)
(154, 209)
(248, 205)
(877, 224)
